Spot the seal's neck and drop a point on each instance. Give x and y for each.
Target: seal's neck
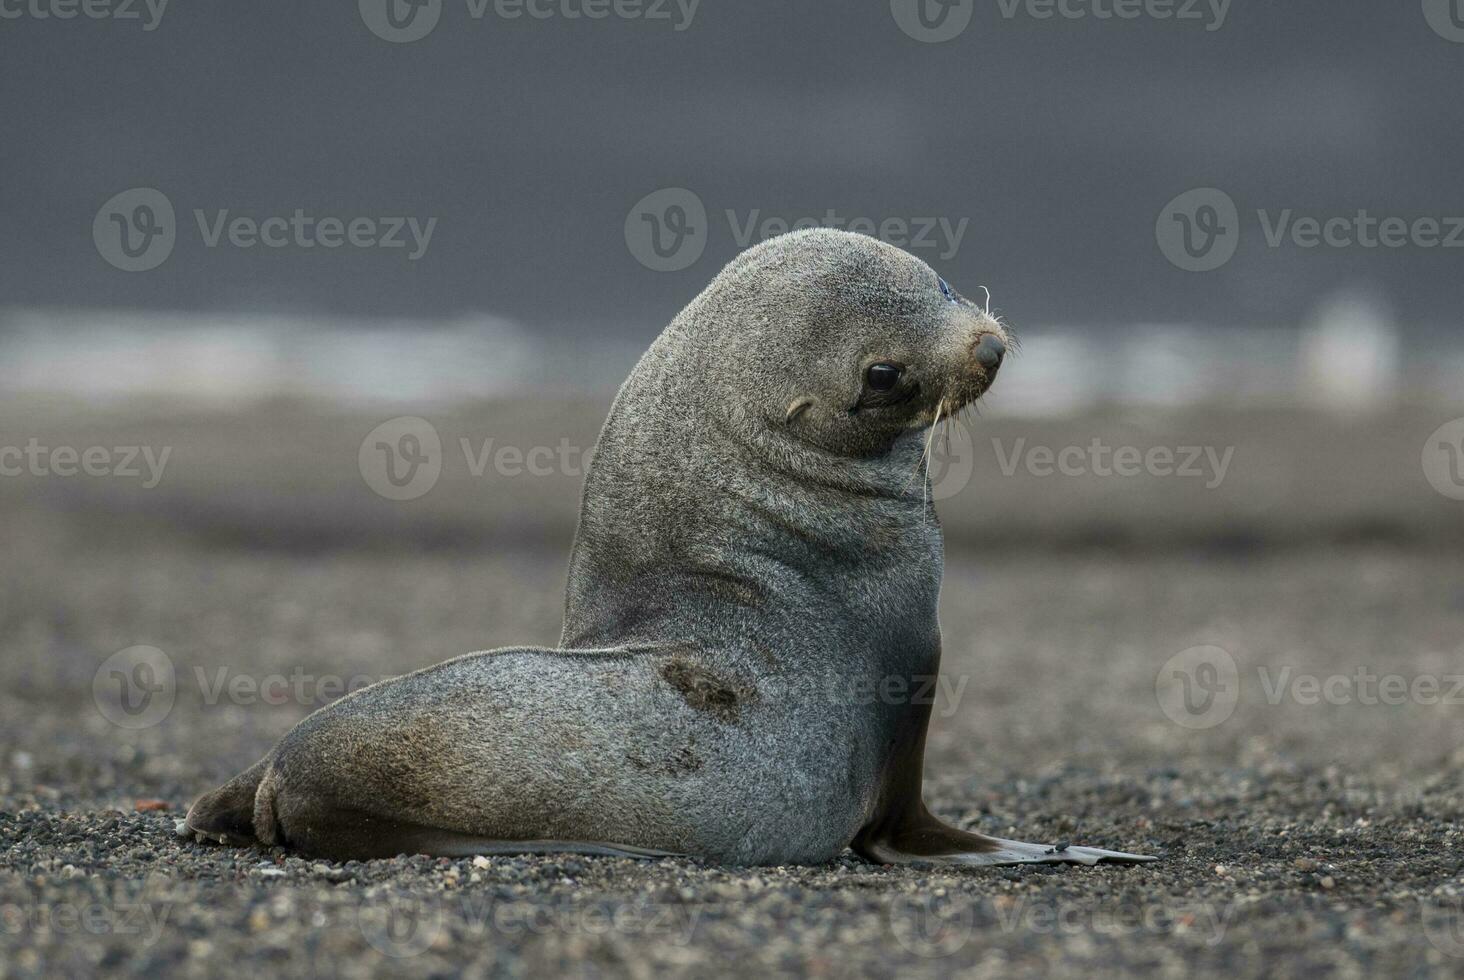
(691, 511)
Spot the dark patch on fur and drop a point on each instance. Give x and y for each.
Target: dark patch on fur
(704, 690)
(683, 762)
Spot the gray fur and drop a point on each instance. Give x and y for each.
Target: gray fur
(755, 554)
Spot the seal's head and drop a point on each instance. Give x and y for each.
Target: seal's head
(842, 341)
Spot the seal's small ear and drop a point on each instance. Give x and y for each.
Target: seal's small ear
(796, 408)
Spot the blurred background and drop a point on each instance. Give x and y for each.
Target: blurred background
(310, 314)
(257, 233)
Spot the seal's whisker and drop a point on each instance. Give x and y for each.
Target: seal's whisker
(987, 308)
(929, 441)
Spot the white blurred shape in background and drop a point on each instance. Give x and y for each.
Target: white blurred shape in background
(1350, 354)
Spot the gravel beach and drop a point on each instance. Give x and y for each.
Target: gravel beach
(1234, 709)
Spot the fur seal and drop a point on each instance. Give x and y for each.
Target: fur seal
(756, 560)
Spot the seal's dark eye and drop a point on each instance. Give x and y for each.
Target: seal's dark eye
(882, 377)
(946, 290)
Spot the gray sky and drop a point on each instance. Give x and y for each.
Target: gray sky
(1057, 141)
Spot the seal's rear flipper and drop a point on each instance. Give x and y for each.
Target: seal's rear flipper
(227, 814)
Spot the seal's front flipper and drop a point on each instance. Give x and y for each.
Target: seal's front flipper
(919, 838)
(1019, 852)
(997, 851)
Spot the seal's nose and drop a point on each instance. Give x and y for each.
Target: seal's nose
(989, 352)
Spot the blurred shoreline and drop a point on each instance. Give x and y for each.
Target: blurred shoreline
(1350, 356)
(291, 475)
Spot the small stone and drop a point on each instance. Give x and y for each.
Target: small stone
(481, 862)
(148, 806)
(1305, 864)
(1328, 882)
